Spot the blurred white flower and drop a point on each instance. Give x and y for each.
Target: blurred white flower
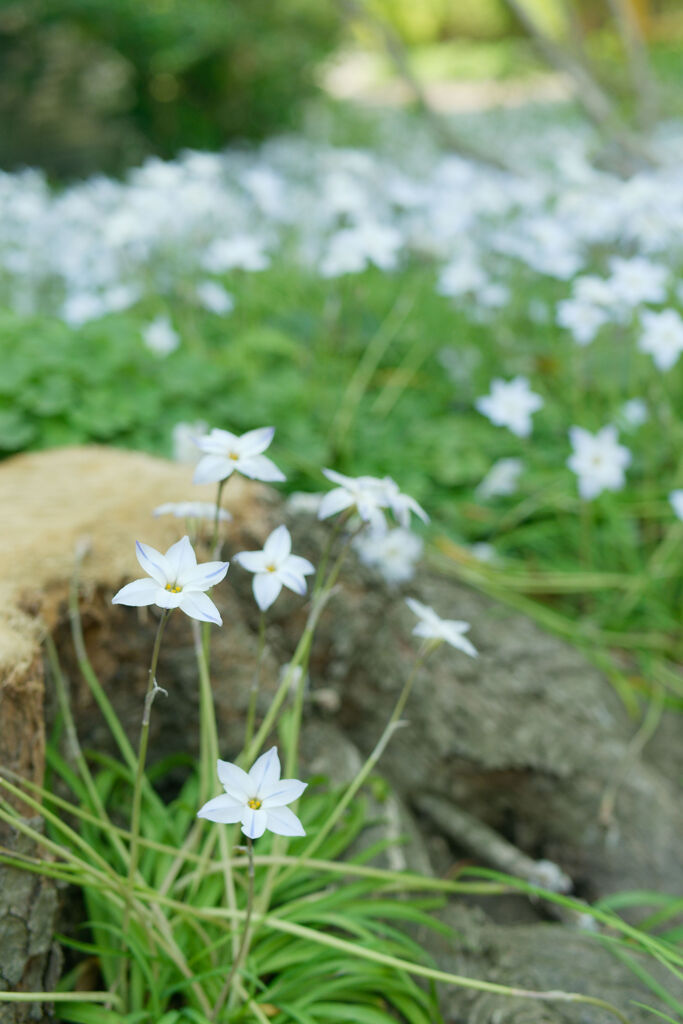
(120, 297)
(598, 460)
(214, 297)
(191, 510)
(493, 295)
(676, 499)
(226, 453)
(462, 275)
(633, 413)
(510, 404)
(81, 307)
(662, 337)
(256, 799)
(244, 252)
(274, 567)
(501, 479)
(303, 502)
(184, 438)
(484, 552)
(365, 494)
(175, 581)
(593, 291)
(431, 627)
(393, 553)
(637, 280)
(582, 319)
(160, 336)
(352, 249)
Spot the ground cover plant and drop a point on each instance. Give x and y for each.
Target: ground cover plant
(421, 285)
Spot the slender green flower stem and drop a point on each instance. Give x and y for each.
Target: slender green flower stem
(325, 557)
(207, 760)
(326, 588)
(216, 516)
(246, 935)
(297, 711)
(207, 715)
(392, 725)
(301, 653)
(152, 690)
(256, 682)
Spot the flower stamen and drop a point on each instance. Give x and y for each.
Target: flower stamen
(173, 588)
(254, 803)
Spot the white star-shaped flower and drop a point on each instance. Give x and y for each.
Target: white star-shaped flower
(431, 627)
(176, 581)
(501, 479)
(366, 494)
(582, 318)
(510, 404)
(226, 453)
(160, 336)
(598, 460)
(662, 337)
(257, 799)
(275, 567)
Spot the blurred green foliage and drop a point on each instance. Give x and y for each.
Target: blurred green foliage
(92, 85)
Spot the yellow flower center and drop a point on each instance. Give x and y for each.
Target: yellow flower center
(270, 568)
(254, 803)
(234, 456)
(173, 587)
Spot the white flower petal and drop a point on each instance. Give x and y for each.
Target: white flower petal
(212, 468)
(234, 780)
(153, 562)
(255, 441)
(254, 822)
(292, 580)
(284, 822)
(301, 566)
(419, 609)
(338, 478)
(199, 606)
(204, 576)
(167, 598)
(217, 442)
(427, 630)
(286, 791)
(461, 643)
(335, 501)
(222, 809)
(278, 546)
(252, 561)
(259, 467)
(137, 593)
(181, 559)
(265, 771)
(266, 587)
